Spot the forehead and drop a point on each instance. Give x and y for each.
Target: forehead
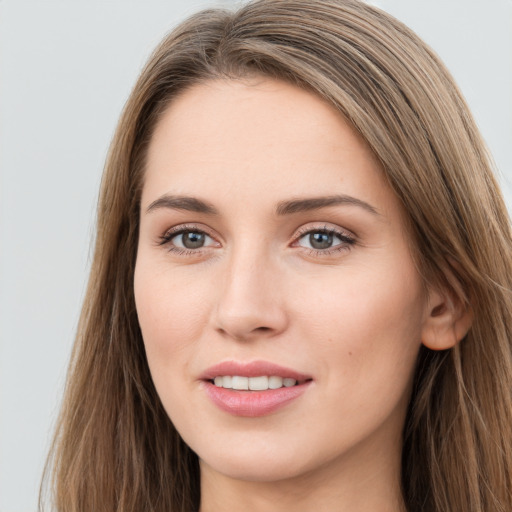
(235, 138)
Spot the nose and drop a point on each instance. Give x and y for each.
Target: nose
(251, 301)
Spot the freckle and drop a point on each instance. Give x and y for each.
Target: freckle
(350, 353)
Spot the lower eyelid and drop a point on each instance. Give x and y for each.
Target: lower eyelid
(331, 250)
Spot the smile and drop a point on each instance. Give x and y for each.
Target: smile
(255, 388)
(260, 383)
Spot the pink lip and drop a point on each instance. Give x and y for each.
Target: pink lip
(253, 403)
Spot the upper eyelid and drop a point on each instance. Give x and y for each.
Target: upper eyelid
(329, 228)
(179, 228)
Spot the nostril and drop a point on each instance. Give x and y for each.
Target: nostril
(243, 321)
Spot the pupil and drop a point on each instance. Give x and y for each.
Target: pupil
(320, 240)
(192, 240)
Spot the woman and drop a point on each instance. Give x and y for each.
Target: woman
(300, 295)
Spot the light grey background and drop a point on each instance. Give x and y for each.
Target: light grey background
(66, 68)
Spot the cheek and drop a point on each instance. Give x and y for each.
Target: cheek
(364, 337)
(171, 317)
(368, 324)
(171, 314)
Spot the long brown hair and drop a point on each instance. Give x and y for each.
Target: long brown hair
(115, 449)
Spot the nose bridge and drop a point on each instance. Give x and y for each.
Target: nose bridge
(250, 302)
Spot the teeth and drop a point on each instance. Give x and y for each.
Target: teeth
(239, 382)
(288, 383)
(275, 382)
(253, 383)
(258, 383)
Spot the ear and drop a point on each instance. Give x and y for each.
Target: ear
(447, 321)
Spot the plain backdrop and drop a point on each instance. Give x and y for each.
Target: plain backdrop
(66, 69)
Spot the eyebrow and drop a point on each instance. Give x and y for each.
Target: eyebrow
(193, 204)
(190, 204)
(315, 203)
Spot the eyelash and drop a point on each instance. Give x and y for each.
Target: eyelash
(347, 240)
(166, 239)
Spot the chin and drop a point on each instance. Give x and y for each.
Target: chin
(248, 458)
(250, 470)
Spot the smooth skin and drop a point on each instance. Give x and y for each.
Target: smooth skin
(228, 269)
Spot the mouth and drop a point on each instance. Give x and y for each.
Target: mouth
(259, 383)
(253, 389)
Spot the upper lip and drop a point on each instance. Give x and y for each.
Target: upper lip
(252, 369)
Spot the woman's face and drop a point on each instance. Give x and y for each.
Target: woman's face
(273, 250)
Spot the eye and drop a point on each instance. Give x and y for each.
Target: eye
(324, 240)
(182, 239)
(319, 240)
(191, 239)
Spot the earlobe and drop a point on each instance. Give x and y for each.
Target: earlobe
(448, 321)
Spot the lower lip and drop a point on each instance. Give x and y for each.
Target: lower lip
(252, 404)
